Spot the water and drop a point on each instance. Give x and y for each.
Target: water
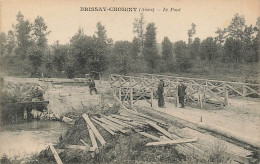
(22, 140)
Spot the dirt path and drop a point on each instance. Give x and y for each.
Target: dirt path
(64, 99)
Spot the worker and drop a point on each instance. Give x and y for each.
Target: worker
(181, 93)
(160, 94)
(92, 86)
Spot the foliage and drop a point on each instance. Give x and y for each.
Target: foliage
(35, 55)
(194, 49)
(139, 29)
(10, 42)
(167, 54)
(60, 56)
(182, 56)
(23, 31)
(150, 51)
(40, 32)
(101, 31)
(191, 32)
(25, 50)
(2, 42)
(208, 49)
(122, 57)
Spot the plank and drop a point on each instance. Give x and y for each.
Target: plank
(87, 145)
(92, 137)
(56, 155)
(112, 125)
(94, 129)
(171, 142)
(117, 121)
(149, 136)
(103, 126)
(121, 117)
(169, 135)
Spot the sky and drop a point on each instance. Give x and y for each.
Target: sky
(64, 18)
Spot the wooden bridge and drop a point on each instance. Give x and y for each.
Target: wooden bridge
(131, 89)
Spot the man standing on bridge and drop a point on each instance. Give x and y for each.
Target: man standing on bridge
(181, 93)
(92, 86)
(160, 94)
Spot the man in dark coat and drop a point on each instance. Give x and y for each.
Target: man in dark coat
(181, 93)
(92, 86)
(160, 94)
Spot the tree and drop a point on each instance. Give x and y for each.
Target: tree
(167, 54)
(89, 53)
(232, 50)
(150, 48)
(221, 36)
(135, 48)
(23, 34)
(2, 42)
(122, 57)
(40, 32)
(35, 55)
(139, 29)
(194, 49)
(236, 28)
(101, 31)
(60, 56)
(182, 56)
(208, 49)
(191, 32)
(10, 42)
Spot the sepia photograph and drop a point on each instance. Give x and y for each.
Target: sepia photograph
(129, 82)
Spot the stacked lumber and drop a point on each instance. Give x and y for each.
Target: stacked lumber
(133, 121)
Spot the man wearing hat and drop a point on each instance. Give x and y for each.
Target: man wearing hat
(181, 93)
(160, 94)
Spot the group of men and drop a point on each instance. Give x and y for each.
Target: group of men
(181, 94)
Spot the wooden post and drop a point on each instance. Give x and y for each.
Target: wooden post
(176, 97)
(131, 93)
(131, 97)
(153, 81)
(151, 96)
(204, 94)
(120, 90)
(226, 95)
(25, 113)
(200, 97)
(244, 90)
(56, 156)
(93, 128)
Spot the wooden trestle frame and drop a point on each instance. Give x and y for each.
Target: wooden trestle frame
(131, 89)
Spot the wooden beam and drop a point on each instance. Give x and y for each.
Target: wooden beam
(117, 121)
(103, 126)
(171, 142)
(111, 124)
(94, 129)
(121, 117)
(87, 145)
(160, 129)
(93, 139)
(56, 155)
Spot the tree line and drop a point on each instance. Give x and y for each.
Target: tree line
(24, 50)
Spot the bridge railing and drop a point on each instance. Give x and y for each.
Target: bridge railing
(233, 88)
(131, 89)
